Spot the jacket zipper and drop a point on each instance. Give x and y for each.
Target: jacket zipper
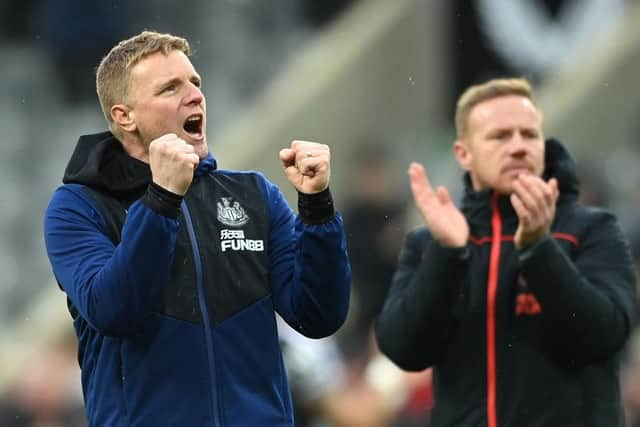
(492, 288)
(205, 313)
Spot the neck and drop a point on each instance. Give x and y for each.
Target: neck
(135, 148)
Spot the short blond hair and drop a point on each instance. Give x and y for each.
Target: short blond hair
(114, 72)
(482, 92)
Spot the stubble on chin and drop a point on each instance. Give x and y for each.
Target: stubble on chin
(202, 149)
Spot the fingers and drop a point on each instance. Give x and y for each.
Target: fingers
(553, 183)
(309, 158)
(287, 157)
(310, 153)
(528, 196)
(172, 162)
(420, 185)
(443, 195)
(187, 153)
(445, 221)
(300, 146)
(424, 196)
(521, 210)
(174, 147)
(534, 201)
(418, 175)
(307, 165)
(535, 194)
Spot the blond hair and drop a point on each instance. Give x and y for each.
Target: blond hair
(482, 92)
(114, 72)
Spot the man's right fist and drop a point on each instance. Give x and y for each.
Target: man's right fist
(172, 162)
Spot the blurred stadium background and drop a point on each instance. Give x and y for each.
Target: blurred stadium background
(375, 79)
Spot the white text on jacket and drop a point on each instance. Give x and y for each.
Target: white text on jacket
(234, 240)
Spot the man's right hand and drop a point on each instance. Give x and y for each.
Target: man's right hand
(172, 162)
(445, 221)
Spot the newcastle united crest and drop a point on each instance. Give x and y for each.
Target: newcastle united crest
(231, 213)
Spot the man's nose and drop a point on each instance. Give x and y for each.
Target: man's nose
(517, 145)
(194, 96)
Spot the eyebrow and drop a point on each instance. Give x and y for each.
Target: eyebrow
(509, 130)
(176, 81)
(499, 131)
(165, 83)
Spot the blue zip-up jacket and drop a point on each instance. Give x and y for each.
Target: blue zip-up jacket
(174, 299)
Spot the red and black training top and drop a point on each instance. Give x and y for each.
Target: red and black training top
(516, 338)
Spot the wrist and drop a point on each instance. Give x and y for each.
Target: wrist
(452, 244)
(528, 241)
(316, 208)
(162, 200)
(526, 252)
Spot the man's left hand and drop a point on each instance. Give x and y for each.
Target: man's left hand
(307, 166)
(534, 201)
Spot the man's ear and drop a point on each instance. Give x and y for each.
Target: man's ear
(123, 117)
(462, 154)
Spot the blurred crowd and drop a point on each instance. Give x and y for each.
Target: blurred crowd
(342, 380)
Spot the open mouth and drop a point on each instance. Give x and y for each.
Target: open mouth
(193, 126)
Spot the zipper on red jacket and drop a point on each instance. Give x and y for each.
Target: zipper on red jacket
(492, 290)
(205, 314)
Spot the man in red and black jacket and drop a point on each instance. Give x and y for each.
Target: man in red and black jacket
(521, 300)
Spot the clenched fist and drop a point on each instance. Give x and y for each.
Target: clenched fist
(172, 162)
(307, 166)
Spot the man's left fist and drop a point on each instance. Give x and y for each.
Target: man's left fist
(307, 166)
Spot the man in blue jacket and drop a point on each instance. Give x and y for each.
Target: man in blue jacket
(522, 299)
(174, 269)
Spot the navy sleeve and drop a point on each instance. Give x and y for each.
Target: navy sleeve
(418, 312)
(113, 287)
(587, 307)
(310, 271)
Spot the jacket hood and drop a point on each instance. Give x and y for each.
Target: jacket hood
(559, 163)
(100, 162)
